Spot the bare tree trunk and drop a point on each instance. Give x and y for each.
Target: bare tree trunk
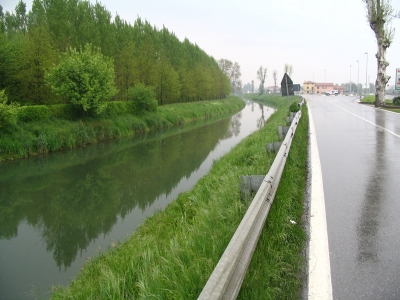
(382, 79)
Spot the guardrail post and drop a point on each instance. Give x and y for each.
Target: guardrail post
(226, 279)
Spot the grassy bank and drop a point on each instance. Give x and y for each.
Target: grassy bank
(393, 107)
(371, 99)
(173, 253)
(35, 137)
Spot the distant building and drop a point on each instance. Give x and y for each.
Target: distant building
(310, 87)
(339, 88)
(274, 89)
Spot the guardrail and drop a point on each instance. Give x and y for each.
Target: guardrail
(226, 280)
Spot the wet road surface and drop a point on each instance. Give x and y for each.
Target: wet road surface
(359, 149)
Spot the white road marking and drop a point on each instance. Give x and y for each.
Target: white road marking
(319, 268)
(380, 127)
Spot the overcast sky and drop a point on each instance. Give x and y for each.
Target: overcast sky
(311, 35)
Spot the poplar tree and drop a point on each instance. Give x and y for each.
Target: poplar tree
(275, 77)
(261, 74)
(36, 56)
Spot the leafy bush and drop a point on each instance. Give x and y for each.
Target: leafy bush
(294, 107)
(64, 111)
(143, 97)
(85, 78)
(396, 100)
(117, 108)
(33, 113)
(8, 112)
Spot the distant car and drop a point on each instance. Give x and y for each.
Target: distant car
(327, 93)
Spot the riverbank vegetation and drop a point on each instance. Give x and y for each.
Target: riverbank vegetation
(46, 129)
(173, 253)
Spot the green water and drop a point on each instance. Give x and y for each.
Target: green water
(58, 210)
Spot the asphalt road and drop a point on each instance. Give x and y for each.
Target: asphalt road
(359, 150)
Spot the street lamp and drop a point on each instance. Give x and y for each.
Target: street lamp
(324, 80)
(350, 80)
(366, 74)
(358, 73)
(313, 84)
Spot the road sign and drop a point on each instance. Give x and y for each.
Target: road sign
(287, 85)
(397, 78)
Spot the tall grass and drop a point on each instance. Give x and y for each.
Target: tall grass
(35, 137)
(275, 270)
(173, 253)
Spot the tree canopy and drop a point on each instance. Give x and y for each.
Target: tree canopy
(84, 78)
(32, 42)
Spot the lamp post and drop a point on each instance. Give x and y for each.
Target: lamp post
(313, 84)
(324, 80)
(366, 74)
(350, 80)
(358, 73)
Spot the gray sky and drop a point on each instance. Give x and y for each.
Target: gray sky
(311, 35)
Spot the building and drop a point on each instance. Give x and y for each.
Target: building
(339, 88)
(310, 87)
(321, 88)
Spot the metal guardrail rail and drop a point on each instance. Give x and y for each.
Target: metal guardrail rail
(226, 280)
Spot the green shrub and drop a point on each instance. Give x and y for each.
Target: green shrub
(143, 97)
(294, 107)
(33, 113)
(8, 112)
(64, 111)
(85, 78)
(396, 100)
(117, 108)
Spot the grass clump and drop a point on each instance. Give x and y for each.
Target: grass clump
(173, 253)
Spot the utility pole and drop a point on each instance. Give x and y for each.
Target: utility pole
(358, 73)
(287, 90)
(324, 81)
(366, 75)
(313, 83)
(350, 79)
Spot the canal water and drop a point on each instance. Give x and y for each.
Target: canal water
(61, 209)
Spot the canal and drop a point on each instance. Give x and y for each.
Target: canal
(61, 209)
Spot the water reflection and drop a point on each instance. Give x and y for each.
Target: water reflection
(73, 205)
(261, 120)
(369, 221)
(70, 204)
(234, 128)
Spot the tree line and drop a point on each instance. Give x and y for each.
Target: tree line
(32, 43)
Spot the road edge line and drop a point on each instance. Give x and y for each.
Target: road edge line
(319, 270)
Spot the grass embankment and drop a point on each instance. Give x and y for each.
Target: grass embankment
(370, 99)
(173, 253)
(31, 138)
